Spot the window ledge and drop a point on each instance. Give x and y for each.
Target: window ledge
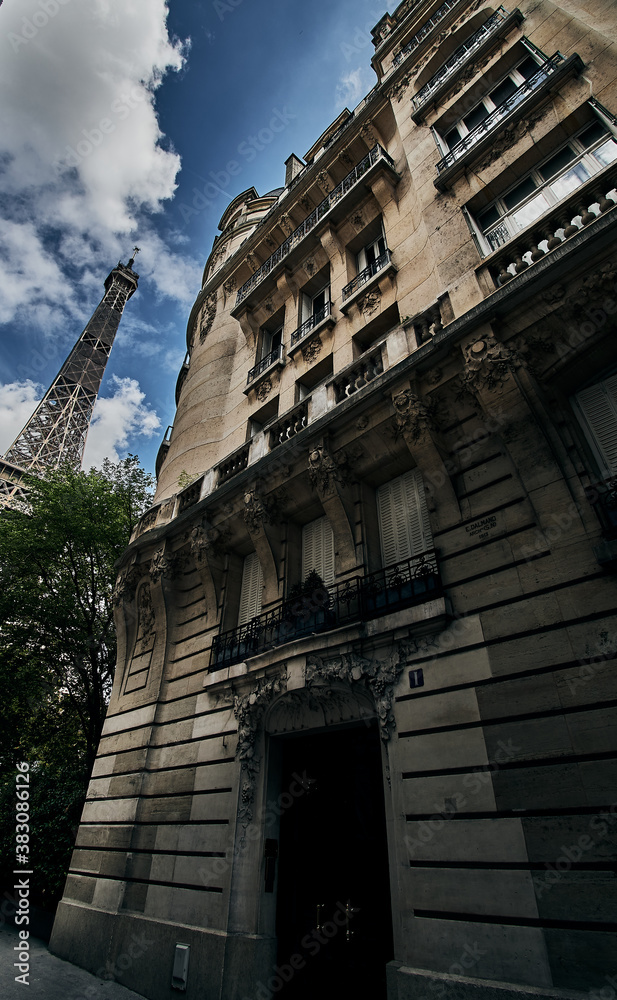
(388, 271)
(570, 66)
(325, 324)
(254, 383)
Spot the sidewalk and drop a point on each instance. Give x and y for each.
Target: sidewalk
(50, 978)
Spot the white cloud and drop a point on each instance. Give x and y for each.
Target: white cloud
(350, 89)
(116, 420)
(83, 162)
(18, 400)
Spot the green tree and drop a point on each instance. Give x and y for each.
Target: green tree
(57, 639)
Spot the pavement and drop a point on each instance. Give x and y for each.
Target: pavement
(50, 978)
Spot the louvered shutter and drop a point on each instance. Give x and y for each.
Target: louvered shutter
(250, 594)
(404, 525)
(318, 550)
(597, 405)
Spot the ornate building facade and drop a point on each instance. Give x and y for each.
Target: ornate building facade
(362, 734)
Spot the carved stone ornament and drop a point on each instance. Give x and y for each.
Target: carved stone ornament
(208, 314)
(309, 266)
(128, 578)
(324, 181)
(509, 137)
(368, 133)
(256, 511)
(272, 244)
(229, 287)
(326, 472)
(286, 224)
(264, 389)
(145, 612)
(378, 676)
(399, 88)
(312, 349)
(253, 261)
(306, 203)
(204, 539)
(346, 158)
(488, 364)
(268, 306)
(357, 221)
(249, 711)
(370, 302)
(414, 417)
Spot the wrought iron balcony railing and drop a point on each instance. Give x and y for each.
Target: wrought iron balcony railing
(310, 323)
(520, 95)
(425, 30)
(460, 56)
(402, 585)
(261, 366)
(353, 177)
(366, 274)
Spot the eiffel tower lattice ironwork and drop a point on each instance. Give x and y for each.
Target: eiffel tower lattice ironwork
(56, 432)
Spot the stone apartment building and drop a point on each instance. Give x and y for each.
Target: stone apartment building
(361, 738)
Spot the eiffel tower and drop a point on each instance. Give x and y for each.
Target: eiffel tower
(56, 432)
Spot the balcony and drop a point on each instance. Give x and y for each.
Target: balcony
(162, 452)
(311, 323)
(424, 31)
(402, 585)
(289, 425)
(357, 375)
(271, 359)
(495, 27)
(365, 275)
(190, 496)
(551, 230)
(368, 165)
(233, 464)
(182, 376)
(551, 73)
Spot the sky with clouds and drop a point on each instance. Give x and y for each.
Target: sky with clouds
(117, 120)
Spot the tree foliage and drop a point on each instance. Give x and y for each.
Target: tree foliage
(57, 638)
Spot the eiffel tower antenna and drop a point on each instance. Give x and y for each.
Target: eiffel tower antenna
(56, 432)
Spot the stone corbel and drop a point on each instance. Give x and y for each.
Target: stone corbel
(206, 545)
(286, 285)
(416, 421)
(384, 191)
(330, 242)
(260, 518)
(330, 477)
(249, 326)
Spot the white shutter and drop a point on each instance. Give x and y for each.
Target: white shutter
(250, 594)
(318, 550)
(404, 526)
(597, 405)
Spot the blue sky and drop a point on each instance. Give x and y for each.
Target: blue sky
(118, 120)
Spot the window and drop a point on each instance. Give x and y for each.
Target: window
(501, 96)
(371, 253)
(250, 593)
(587, 152)
(318, 550)
(596, 409)
(315, 306)
(404, 526)
(271, 344)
